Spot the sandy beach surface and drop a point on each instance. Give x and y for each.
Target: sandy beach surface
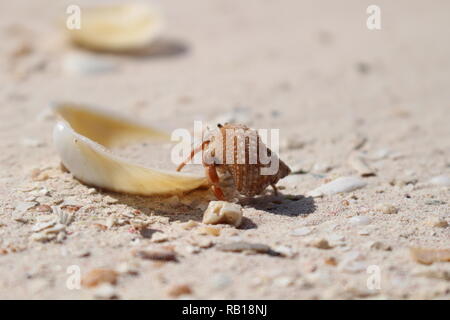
(309, 68)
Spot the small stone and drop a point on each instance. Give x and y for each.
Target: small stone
(359, 220)
(189, 225)
(160, 254)
(437, 222)
(43, 208)
(429, 256)
(320, 244)
(98, 276)
(331, 261)
(386, 208)
(110, 200)
(24, 206)
(100, 227)
(202, 242)
(191, 249)
(285, 251)
(110, 222)
(251, 248)
(223, 212)
(434, 202)
(105, 291)
(442, 180)
(378, 245)
(303, 231)
(179, 290)
(215, 232)
(128, 268)
(358, 162)
(92, 191)
(158, 237)
(432, 273)
(284, 281)
(364, 232)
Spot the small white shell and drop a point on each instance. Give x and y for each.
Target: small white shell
(81, 138)
(342, 184)
(117, 27)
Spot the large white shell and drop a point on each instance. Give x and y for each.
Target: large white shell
(82, 136)
(119, 27)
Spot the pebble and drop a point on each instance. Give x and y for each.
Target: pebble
(331, 261)
(342, 184)
(358, 162)
(179, 290)
(432, 273)
(285, 251)
(215, 232)
(105, 291)
(320, 244)
(360, 220)
(21, 207)
(223, 212)
(303, 231)
(437, 222)
(189, 225)
(202, 242)
(98, 276)
(158, 237)
(386, 208)
(321, 168)
(284, 281)
(247, 247)
(429, 256)
(160, 254)
(442, 180)
(364, 232)
(378, 245)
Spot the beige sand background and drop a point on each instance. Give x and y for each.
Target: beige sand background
(310, 68)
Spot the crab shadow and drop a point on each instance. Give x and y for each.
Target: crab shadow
(282, 204)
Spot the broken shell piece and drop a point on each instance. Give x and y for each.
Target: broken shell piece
(81, 138)
(117, 28)
(357, 162)
(223, 212)
(342, 184)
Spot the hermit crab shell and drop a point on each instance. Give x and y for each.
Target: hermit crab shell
(82, 136)
(117, 27)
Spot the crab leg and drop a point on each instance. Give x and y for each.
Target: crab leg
(211, 173)
(193, 152)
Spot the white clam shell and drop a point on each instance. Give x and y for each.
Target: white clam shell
(119, 27)
(81, 137)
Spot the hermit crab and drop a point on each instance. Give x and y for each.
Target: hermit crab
(237, 150)
(84, 135)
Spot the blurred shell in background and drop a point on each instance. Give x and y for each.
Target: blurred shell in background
(117, 28)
